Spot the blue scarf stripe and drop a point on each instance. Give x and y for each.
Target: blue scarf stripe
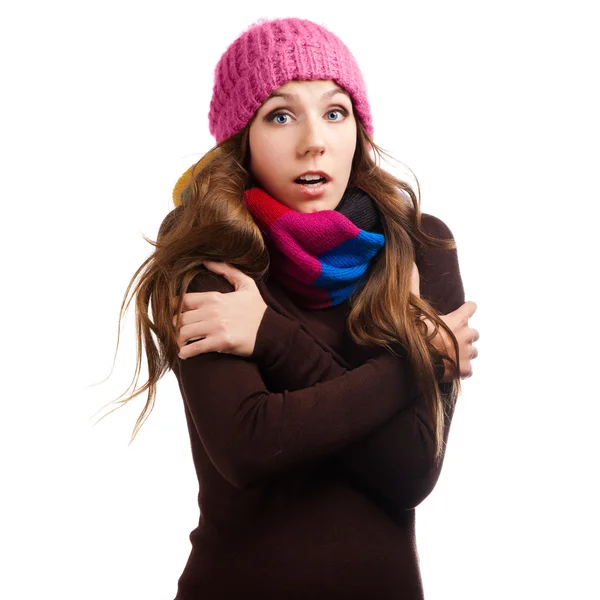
(331, 277)
(341, 294)
(354, 251)
(347, 263)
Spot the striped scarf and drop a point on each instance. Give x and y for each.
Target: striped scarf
(318, 258)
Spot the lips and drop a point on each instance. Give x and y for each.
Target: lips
(321, 174)
(313, 190)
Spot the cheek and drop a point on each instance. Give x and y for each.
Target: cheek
(263, 150)
(348, 153)
(347, 143)
(266, 164)
(259, 158)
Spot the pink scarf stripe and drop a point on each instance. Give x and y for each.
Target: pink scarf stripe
(303, 267)
(320, 232)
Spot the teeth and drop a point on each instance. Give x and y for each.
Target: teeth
(310, 177)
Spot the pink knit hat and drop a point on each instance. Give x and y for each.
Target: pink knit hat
(268, 55)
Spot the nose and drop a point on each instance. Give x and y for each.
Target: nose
(312, 140)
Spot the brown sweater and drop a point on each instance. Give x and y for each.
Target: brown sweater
(311, 455)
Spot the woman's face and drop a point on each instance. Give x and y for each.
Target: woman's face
(304, 127)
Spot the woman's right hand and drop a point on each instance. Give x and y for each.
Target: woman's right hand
(216, 322)
(458, 322)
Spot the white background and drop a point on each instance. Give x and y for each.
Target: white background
(494, 106)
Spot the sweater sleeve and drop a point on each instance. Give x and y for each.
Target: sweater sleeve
(394, 464)
(278, 335)
(251, 433)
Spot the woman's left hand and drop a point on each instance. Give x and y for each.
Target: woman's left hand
(226, 323)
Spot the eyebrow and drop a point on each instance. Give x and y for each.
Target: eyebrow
(289, 97)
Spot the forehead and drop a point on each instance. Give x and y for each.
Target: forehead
(319, 88)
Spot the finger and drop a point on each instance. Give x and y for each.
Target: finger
(180, 322)
(187, 316)
(203, 346)
(195, 300)
(235, 277)
(468, 308)
(193, 349)
(190, 300)
(464, 312)
(194, 331)
(415, 281)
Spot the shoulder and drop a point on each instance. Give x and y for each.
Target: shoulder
(434, 226)
(170, 219)
(204, 280)
(439, 271)
(207, 281)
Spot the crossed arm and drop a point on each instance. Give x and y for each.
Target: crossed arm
(367, 418)
(394, 463)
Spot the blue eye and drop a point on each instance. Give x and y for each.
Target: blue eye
(275, 118)
(280, 117)
(343, 112)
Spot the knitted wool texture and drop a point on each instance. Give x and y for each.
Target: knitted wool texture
(318, 258)
(268, 55)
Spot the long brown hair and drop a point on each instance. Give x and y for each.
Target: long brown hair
(213, 223)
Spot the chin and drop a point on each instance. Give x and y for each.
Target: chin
(307, 205)
(315, 206)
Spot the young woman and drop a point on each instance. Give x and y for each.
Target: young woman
(316, 323)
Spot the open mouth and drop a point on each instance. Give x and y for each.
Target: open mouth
(312, 182)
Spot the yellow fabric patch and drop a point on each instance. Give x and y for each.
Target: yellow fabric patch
(181, 185)
(184, 181)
